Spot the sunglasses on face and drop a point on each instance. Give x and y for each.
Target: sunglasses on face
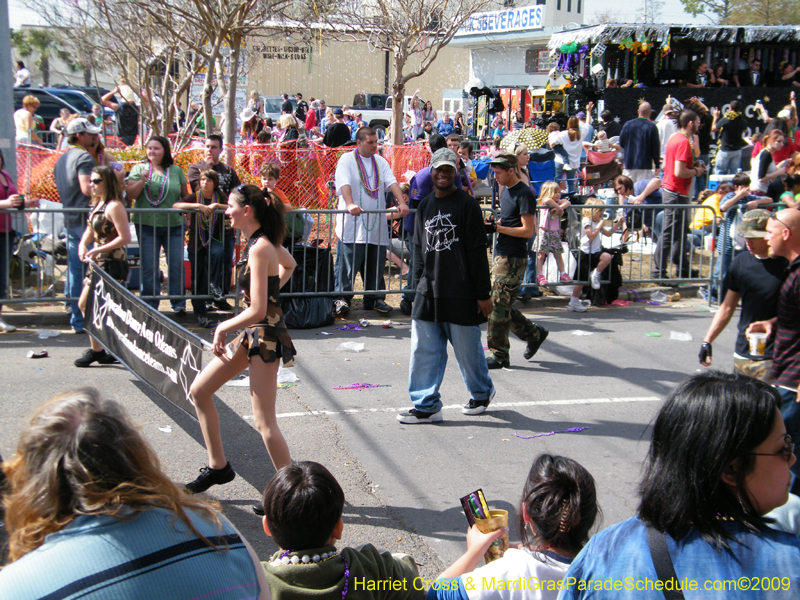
(96, 181)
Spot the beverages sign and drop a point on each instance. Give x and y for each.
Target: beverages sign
(504, 21)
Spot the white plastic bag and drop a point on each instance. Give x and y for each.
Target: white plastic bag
(551, 269)
(351, 347)
(286, 376)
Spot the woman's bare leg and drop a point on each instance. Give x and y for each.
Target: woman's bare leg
(84, 298)
(263, 393)
(213, 377)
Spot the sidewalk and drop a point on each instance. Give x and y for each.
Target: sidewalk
(53, 314)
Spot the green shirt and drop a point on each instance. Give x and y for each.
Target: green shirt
(174, 193)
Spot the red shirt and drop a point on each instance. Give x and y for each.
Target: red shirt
(311, 120)
(678, 148)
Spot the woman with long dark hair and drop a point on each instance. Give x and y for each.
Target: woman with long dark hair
(157, 184)
(571, 141)
(264, 268)
(91, 515)
(719, 461)
(108, 230)
(555, 515)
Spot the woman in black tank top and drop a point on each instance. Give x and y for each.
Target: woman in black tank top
(264, 267)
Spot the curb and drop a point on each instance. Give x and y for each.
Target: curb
(58, 318)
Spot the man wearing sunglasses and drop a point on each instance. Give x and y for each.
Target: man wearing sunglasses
(72, 174)
(783, 237)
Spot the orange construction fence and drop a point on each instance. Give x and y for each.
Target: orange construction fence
(307, 173)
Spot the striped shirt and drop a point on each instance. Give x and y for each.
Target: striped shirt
(786, 361)
(153, 555)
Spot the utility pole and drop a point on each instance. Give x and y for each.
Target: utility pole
(7, 96)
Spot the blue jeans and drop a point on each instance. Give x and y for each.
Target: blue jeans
(725, 258)
(76, 271)
(530, 272)
(571, 177)
(151, 241)
(727, 162)
(699, 183)
(226, 267)
(790, 410)
(366, 259)
(429, 359)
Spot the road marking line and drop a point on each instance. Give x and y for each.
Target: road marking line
(355, 411)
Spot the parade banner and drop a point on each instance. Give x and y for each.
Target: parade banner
(164, 355)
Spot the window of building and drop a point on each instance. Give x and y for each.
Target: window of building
(558, 5)
(569, 5)
(579, 6)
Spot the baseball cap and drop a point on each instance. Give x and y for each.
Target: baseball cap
(504, 159)
(81, 125)
(581, 115)
(754, 223)
(442, 157)
(338, 112)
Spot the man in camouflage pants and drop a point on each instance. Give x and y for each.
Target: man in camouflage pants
(516, 224)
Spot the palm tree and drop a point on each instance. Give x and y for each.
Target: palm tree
(46, 44)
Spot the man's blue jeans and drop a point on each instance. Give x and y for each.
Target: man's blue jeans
(790, 410)
(429, 359)
(151, 242)
(76, 271)
(366, 259)
(727, 162)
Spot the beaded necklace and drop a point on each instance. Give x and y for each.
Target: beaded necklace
(162, 194)
(371, 192)
(284, 559)
(203, 220)
(362, 175)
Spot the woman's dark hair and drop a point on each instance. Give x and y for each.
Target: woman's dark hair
(706, 423)
(560, 502)
(303, 503)
(167, 161)
(268, 122)
(2, 161)
(110, 182)
(777, 124)
(268, 214)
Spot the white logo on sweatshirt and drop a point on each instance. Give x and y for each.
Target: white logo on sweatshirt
(440, 233)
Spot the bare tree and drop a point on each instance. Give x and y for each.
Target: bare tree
(651, 11)
(114, 34)
(718, 12)
(606, 16)
(413, 31)
(222, 22)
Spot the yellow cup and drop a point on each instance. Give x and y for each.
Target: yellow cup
(498, 519)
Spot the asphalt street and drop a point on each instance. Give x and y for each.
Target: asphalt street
(402, 483)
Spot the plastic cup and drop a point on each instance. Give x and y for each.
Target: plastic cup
(758, 344)
(498, 519)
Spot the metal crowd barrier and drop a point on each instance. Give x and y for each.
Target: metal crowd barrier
(642, 252)
(318, 251)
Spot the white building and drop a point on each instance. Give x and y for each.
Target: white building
(508, 48)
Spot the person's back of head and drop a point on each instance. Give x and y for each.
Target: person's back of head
(707, 424)
(436, 142)
(741, 179)
(81, 455)
(645, 110)
(558, 506)
(606, 115)
(303, 503)
(736, 106)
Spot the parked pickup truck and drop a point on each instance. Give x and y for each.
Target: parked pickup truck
(376, 109)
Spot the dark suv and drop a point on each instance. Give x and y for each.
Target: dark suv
(49, 105)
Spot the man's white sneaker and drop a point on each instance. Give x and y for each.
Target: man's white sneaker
(595, 279)
(5, 327)
(576, 305)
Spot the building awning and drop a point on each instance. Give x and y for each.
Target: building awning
(615, 33)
